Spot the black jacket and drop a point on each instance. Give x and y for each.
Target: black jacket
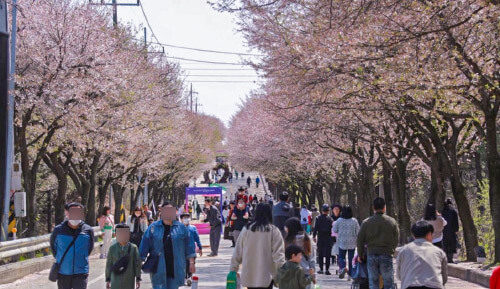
(323, 229)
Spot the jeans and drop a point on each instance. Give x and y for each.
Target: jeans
(342, 261)
(380, 265)
(304, 227)
(72, 281)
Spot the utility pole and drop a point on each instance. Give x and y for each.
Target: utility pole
(115, 5)
(191, 96)
(115, 13)
(6, 120)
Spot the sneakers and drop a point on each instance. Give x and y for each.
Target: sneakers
(342, 273)
(321, 272)
(212, 255)
(328, 273)
(189, 282)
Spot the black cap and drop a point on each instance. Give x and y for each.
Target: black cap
(185, 215)
(71, 205)
(325, 208)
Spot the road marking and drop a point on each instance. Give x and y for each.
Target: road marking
(95, 280)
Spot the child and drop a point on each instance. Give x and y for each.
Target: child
(291, 275)
(130, 278)
(195, 239)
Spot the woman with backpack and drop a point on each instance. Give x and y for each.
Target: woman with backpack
(297, 236)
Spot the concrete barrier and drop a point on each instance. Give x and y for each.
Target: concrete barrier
(472, 275)
(14, 271)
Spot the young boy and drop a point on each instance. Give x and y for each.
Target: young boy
(195, 239)
(291, 275)
(131, 276)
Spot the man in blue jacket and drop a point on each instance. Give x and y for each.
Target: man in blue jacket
(74, 269)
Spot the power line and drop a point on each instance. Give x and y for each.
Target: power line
(207, 61)
(220, 75)
(219, 69)
(147, 21)
(205, 50)
(225, 81)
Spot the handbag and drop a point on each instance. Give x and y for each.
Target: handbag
(227, 233)
(151, 263)
(335, 249)
(54, 270)
(121, 265)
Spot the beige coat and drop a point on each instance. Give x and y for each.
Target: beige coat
(261, 254)
(438, 226)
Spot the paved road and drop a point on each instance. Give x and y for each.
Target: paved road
(211, 271)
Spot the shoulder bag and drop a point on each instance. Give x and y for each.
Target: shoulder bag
(121, 265)
(54, 270)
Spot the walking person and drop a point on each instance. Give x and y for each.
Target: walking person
(292, 275)
(138, 224)
(170, 241)
(198, 211)
(314, 215)
(147, 212)
(242, 174)
(230, 178)
(236, 174)
(347, 228)
(450, 239)
(257, 182)
(297, 236)
(419, 264)
(107, 225)
(281, 213)
(434, 218)
(260, 251)
(336, 211)
(240, 217)
(249, 181)
(380, 234)
(130, 277)
(214, 219)
(195, 241)
(322, 236)
(304, 217)
(74, 240)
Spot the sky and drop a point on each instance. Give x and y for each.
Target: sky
(194, 24)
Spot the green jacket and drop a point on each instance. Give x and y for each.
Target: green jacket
(380, 234)
(132, 274)
(291, 276)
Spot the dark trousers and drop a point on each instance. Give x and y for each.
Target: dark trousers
(324, 251)
(188, 274)
(72, 281)
(215, 239)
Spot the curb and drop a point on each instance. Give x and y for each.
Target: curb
(470, 275)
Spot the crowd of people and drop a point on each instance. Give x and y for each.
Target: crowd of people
(275, 244)
(296, 239)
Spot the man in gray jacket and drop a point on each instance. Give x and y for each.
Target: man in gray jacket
(281, 213)
(214, 218)
(420, 264)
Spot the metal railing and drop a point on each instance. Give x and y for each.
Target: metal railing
(32, 244)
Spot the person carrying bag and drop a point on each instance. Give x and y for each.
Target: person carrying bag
(54, 270)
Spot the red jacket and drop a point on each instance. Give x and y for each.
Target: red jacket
(495, 279)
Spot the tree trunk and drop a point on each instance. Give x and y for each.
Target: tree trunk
(403, 213)
(56, 165)
(438, 193)
(493, 163)
(118, 191)
(386, 184)
(91, 204)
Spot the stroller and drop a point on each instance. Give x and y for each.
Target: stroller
(359, 276)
